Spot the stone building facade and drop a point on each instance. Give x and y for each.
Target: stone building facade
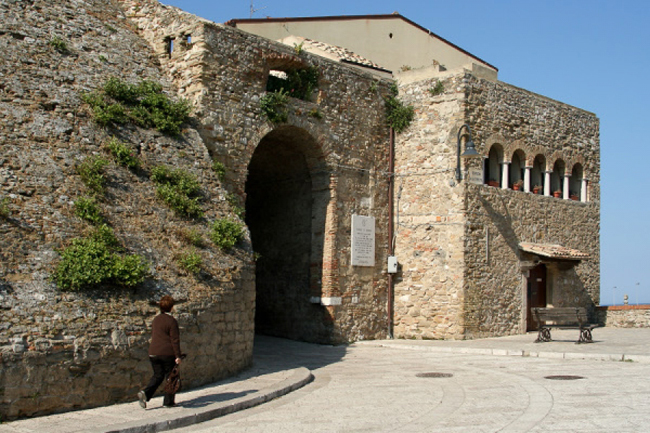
(467, 252)
(474, 255)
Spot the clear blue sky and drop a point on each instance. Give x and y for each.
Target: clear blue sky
(593, 54)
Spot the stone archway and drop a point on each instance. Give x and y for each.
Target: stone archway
(287, 192)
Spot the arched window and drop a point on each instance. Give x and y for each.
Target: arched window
(492, 170)
(517, 170)
(537, 175)
(575, 182)
(557, 178)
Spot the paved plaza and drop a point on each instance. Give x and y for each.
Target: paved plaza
(507, 384)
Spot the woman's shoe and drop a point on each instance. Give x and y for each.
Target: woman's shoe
(142, 399)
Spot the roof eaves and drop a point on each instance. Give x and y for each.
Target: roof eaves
(365, 65)
(553, 251)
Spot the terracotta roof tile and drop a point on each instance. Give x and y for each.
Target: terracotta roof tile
(333, 51)
(553, 251)
(344, 54)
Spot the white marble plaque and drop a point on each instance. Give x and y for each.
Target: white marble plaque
(363, 241)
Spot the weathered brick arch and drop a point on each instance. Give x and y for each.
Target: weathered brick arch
(324, 146)
(557, 178)
(533, 152)
(575, 160)
(492, 165)
(320, 221)
(495, 139)
(517, 163)
(553, 157)
(510, 147)
(576, 184)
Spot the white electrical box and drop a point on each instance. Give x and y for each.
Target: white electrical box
(392, 264)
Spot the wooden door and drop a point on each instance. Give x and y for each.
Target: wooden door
(536, 294)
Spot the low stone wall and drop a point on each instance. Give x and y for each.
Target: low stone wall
(624, 316)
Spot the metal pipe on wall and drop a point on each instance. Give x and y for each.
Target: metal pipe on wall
(391, 186)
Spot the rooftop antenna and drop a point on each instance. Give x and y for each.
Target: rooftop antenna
(253, 10)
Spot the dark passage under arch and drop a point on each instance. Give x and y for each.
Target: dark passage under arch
(285, 214)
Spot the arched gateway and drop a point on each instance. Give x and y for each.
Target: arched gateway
(287, 194)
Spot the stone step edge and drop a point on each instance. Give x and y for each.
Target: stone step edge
(300, 377)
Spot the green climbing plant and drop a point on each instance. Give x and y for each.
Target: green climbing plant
(179, 189)
(398, 115)
(144, 104)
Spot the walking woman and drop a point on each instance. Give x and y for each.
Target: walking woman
(164, 351)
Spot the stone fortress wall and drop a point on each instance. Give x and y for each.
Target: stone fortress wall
(224, 71)
(624, 316)
(67, 350)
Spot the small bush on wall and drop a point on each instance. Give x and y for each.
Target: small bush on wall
(192, 236)
(123, 154)
(398, 116)
(143, 104)
(438, 89)
(190, 261)
(59, 45)
(92, 173)
(86, 208)
(225, 233)
(233, 201)
(91, 261)
(220, 170)
(106, 235)
(4, 208)
(274, 106)
(179, 189)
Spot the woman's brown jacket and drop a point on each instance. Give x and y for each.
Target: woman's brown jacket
(165, 337)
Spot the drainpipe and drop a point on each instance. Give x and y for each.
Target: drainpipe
(391, 186)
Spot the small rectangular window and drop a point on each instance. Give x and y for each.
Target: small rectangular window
(170, 46)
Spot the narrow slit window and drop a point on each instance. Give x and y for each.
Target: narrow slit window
(170, 46)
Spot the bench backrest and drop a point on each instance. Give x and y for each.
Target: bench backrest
(561, 315)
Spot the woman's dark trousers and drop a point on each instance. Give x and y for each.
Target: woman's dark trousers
(162, 365)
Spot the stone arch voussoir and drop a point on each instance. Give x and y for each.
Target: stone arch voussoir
(496, 140)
